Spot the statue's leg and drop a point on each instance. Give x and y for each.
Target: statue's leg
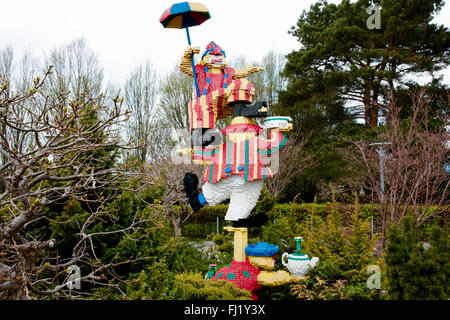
(190, 184)
(215, 193)
(212, 193)
(243, 199)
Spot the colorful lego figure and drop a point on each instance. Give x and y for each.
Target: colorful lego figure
(235, 168)
(220, 86)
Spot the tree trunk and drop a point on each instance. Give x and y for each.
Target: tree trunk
(176, 222)
(370, 109)
(371, 114)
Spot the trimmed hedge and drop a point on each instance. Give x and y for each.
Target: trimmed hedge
(301, 211)
(212, 211)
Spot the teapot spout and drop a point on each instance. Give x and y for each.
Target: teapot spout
(313, 262)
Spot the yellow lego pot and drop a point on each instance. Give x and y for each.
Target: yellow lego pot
(267, 263)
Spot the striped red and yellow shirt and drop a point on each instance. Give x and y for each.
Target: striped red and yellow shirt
(248, 158)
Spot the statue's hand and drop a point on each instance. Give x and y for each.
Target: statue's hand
(254, 69)
(278, 123)
(287, 127)
(188, 51)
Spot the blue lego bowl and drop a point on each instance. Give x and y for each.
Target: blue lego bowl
(261, 249)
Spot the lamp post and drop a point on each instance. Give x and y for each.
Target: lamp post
(381, 152)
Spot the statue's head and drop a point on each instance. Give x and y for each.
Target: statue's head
(214, 56)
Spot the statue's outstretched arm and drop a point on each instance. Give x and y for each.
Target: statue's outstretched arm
(247, 71)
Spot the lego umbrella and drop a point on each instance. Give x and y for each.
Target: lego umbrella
(184, 15)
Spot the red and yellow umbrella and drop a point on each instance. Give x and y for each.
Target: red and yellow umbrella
(182, 16)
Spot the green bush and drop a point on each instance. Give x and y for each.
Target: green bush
(213, 211)
(181, 256)
(318, 289)
(223, 241)
(266, 201)
(341, 240)
(193, 286)
(303, 211)
(293, 212)
(414, 272)
(282, 292)
(156, 282)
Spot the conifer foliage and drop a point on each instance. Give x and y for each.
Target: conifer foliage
(418, 269)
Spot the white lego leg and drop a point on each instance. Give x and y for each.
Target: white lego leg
(243, 199)
(217, 192)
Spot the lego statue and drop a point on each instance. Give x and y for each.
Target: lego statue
(236, 168)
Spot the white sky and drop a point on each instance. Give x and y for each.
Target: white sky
(126, 33)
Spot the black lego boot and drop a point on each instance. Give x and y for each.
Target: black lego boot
(256, 110)
(190, 184)
(252, 221)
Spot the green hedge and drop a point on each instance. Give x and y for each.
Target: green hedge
(212, 211)
(301, 210)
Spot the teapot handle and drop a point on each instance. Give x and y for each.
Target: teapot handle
(282, 259)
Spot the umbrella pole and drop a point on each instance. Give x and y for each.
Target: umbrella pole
(192, 62)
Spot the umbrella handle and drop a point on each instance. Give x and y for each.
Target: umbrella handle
(193, 65)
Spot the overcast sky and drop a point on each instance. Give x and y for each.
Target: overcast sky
(125, 34)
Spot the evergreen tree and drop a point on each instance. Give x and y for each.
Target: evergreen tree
(415, 272)
(343, 61)
(344, 70)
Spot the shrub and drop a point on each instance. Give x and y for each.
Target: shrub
(156, 282)
(193, 286)
(414, 272)
(318, 289)
(342, 242)
(223, 242)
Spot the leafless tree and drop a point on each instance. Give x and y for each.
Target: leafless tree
(413, 166)
(269, 81)
(174, 202)
(141, 92)
(176, 93)
(55, 158)
(6, 70)
(292, 161)
(77, 69)
(6, 65)
(15, 78)
(172, 114)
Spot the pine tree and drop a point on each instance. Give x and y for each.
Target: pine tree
(414, 272)
(343, 61)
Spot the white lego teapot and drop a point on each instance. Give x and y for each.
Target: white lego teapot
(282, 123)
(298, 263)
